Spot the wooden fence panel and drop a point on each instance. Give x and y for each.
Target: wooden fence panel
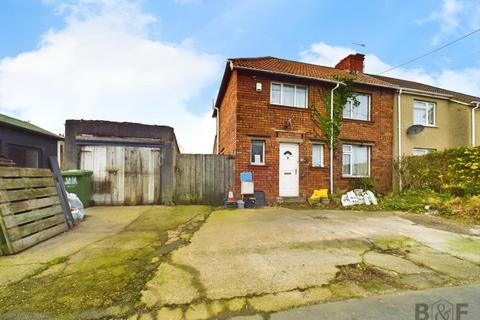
(203, 179)
(30, 210)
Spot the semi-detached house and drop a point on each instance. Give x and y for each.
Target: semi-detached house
(265, 109)
(449, 119)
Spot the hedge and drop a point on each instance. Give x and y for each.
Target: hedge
(454, 171)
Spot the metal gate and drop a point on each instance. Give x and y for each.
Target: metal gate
(123, 175)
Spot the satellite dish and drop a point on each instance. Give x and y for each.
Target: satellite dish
(416, 128)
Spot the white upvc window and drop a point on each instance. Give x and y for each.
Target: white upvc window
(356, 160)
(359, 109)
(288, 95)
(257, 152)
(422, 151)
(424, 113)
(317, 155)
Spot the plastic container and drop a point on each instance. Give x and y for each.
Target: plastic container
(259, 199)
(80, 183)
(240, 204)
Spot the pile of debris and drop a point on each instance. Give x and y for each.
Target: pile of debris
(358, 196)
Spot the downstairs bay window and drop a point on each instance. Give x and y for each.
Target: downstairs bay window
(356, 160)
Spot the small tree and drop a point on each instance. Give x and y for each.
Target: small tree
(331, 128)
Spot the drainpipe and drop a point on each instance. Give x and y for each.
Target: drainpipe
(477, 103)
(399, 140)
(217, 127)
(331, 137)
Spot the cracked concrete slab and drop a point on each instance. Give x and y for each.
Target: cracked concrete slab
(239, 262)
(268, 251)
(393, 263)
(169, 285)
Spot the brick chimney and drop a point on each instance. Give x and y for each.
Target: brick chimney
(352, 63)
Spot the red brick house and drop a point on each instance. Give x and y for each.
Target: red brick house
(264, 113)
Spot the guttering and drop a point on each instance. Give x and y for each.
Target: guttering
(331, 136)
(399, 140)
(429, 93)
(460, 102)
(477, 103)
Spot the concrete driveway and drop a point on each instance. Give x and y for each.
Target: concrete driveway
(262, 261)
(186, 262)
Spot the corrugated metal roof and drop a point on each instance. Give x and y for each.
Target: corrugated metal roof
(27, 126)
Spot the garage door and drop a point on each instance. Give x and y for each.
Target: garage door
(123, 175)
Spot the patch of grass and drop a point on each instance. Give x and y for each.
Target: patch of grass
(466, 209)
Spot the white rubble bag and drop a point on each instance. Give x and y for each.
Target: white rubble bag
(372, 197)
(358, 196)
(76, 207)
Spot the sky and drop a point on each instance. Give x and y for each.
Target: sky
(161, 61)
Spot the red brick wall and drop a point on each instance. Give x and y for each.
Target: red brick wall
(228, 119)
(256, 118)
(352, 62)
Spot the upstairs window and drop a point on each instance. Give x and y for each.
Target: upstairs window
(424, 113)
(359, 109)
(258, 152)
(288, 95)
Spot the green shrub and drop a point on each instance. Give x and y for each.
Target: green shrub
(453, 171)
(364, 183)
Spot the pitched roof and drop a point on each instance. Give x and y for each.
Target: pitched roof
(406, 84)
(27, 126)
(302, 69)
(291, 68)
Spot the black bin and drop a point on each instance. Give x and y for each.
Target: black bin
(259, 199)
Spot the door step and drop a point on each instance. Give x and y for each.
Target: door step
(290, 200)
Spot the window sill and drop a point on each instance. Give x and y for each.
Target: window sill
(289, 107)
(358, 121)
(318, 167)
(354, 177)
(427, 126)
(257, 164)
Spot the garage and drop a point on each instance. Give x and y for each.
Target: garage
(132, 164)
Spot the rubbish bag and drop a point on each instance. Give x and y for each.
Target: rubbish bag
(76, 207)
(358, 196)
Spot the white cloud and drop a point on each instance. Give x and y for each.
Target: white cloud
(448, 16)
(103, 65)
(465, 80)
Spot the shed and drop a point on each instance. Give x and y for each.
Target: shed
(26, 144)
(132, 163)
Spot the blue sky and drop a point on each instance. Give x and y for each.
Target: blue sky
(161, 61)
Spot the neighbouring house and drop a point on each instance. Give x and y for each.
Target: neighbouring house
(448, 119)
(26, 144)
(132, 163)
(264, 112)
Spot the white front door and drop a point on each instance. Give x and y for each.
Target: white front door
(288, 184)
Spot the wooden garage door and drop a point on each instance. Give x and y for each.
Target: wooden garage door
(123, 175)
